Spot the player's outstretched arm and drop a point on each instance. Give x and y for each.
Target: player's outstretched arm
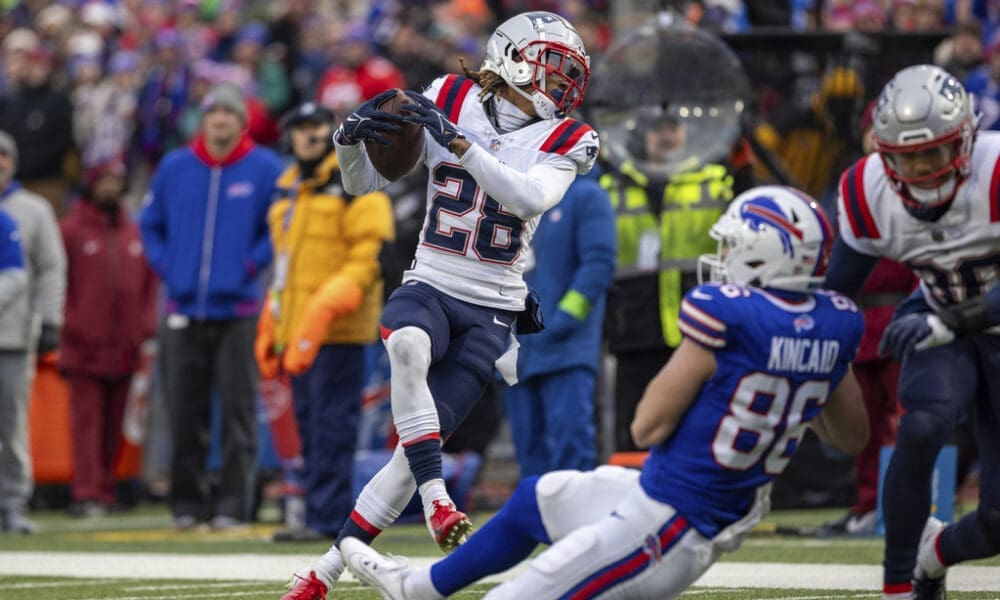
(844, 420)
(671, 393)
(848, 269)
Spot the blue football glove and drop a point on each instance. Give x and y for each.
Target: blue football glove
(912, 333)
(425, 112)
(368, 123)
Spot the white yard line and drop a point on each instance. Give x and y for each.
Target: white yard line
(278, 567)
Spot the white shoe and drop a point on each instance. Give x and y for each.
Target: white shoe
(928, 575)
(384, 573)
(862, 524)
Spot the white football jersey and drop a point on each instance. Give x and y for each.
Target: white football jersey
(956, 257)
(470, 247)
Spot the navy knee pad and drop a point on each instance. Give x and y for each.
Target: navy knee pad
(922, 433)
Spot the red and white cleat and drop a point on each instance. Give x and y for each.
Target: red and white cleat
(449, 526)
(306, 588)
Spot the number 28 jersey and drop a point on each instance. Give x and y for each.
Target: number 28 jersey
(470, 247)
(777, 363)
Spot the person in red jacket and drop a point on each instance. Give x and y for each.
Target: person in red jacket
(110, 312)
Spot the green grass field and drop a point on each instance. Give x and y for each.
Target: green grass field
(137, 556)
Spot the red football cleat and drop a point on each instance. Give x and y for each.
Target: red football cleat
(306, 588)
(449, 526)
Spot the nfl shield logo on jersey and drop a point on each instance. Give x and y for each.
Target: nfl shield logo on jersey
(494, 144)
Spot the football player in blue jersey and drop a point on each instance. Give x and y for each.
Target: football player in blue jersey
(929, 197)
(765, 354)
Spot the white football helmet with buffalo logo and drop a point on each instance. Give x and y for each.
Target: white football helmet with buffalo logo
(527, 48)
(924, 127)
(770, 237)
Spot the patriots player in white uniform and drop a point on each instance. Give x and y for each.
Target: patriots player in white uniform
(764, 355)
(501, 151)
(930, 198)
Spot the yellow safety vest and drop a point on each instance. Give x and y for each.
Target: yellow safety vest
(692, 203)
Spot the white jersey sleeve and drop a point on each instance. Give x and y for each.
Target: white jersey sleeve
(357, 172)
(526, 194)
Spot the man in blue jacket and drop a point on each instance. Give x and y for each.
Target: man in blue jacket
(204, 227)
(551, 409)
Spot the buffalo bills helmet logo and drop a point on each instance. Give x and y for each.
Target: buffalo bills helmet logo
(763, 210)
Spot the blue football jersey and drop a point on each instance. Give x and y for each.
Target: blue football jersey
(777, 363)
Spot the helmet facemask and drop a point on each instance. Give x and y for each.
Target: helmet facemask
(525, 52)
(924, 128)
(927, 175)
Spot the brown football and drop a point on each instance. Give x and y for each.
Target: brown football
(403, 152)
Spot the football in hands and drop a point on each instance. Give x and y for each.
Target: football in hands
(403, 152)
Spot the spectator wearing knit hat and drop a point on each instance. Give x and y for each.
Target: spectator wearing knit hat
(111, 311)
(204, 227)
(45, 266)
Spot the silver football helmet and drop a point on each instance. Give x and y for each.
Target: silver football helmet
(924, 127)
(528, 48)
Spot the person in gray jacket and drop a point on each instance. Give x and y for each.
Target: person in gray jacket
(20, 335)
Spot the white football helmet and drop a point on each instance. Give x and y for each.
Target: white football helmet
(771, 237)
(924, 127)
(527, 48)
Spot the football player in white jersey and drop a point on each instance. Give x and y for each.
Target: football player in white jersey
(929, 197)
(764, 355)
(501, 151)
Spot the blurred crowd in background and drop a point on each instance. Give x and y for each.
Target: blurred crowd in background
(134, 71)
(92, 87)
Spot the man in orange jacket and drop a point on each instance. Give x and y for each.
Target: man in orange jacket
(323, 308)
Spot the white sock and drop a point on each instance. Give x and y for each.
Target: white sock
(931, 563)
(418, 586)
(329, 567)
(433, 490)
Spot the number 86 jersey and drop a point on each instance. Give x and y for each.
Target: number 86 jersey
(470, 247)
(777, 363)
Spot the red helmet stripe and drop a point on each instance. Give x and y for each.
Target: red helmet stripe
(777, 218)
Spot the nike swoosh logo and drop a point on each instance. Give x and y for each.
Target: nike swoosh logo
(499, 322)
(700, 295)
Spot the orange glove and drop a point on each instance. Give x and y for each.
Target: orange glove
(268, 362)
(338, 297)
